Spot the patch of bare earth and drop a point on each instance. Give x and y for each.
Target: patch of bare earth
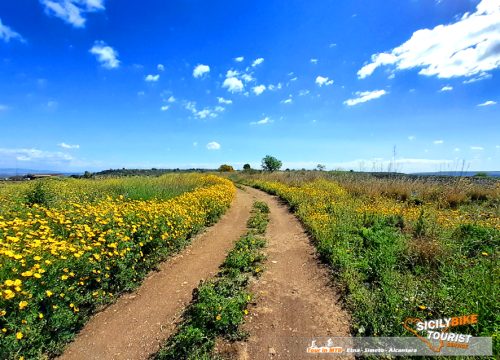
(138, 323)
(294, 299)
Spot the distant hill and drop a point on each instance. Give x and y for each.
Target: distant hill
(7, 172)
(459, 173)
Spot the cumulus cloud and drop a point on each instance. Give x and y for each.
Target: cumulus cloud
(287, 101)
(477, 148)
(224, 101)
(160, 67)
(239, 59)
(303, 92)
(200, 70)
(233, 84)
(264, 121)
(257, 62)
(72, 11)
(204, 113)
(213, 145)
(467, 47)
(364, 96)
(247, 77)
(314, 61)
(69, 146)
(171, 99)
(259, 89)
(106, 55)
(446, 88)
(320, 81)
(488, 103)
(152, 78)
(7, 34)
(164, 108)
(438, 142)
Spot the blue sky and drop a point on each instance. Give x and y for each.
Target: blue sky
(97, 84)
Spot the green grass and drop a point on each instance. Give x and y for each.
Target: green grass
(219, 304)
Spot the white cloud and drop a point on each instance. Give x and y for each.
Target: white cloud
(233, 85)
(258, 62)
(202, 114)
(36, 155)
(160, 67)
(219, 108)
(488, 103)
(239, 59)
(477, 148)
(482, 76)
(69, 146)
(332, 45)
(259, 89)
(164, 108)
(200, 70)
(171, 99)
(72, 11)
(320, 81)
(294, 78)
(213, 145)
(52, 105)
(106, 55)
(456, 149)
(314, 61)
(411, 137)
(152, 78)
(264, 121)
(304, 92)
(224, 101)
(364, 96)
(467, 47)
(446, 88)
(272, 87)
(247, 77)
(7, 34)
(232, 73)
(438, 142)
(287, 101)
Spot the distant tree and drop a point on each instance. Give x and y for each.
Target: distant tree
(320, 167)
(87, 175)
(225, 168)
(481, 174)
(247, 167)
(270, 163)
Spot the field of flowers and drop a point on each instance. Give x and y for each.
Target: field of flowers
(397, 257)
(67, 247)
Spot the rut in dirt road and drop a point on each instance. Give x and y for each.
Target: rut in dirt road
(294, 300)
(136, 325)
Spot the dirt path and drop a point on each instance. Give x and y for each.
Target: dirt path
(136, 325)
(294, 302)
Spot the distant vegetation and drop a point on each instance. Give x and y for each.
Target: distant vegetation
(225, 168)
(270, 163)
(147, 172)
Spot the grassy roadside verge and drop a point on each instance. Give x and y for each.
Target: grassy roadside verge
(219, 305)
